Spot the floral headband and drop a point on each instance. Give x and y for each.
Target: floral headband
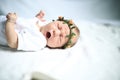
(71, 26)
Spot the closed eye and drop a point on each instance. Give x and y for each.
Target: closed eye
(59, 27)
(61, 35)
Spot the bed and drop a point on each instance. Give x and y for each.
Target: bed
(96, 56)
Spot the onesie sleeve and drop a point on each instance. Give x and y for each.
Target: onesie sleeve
(29, 40)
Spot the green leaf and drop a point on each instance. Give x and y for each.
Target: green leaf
(72, 27)
(73, 34)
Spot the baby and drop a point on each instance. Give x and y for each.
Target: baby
(32, 34)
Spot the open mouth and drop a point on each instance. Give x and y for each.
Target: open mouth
(48, 35)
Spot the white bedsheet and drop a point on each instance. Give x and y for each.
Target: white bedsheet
(96, 56)
(14, 65)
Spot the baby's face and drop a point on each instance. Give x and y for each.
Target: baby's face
(55, 33)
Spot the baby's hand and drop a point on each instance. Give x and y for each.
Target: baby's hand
(41, 15)
(11, 17)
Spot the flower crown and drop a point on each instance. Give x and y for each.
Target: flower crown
(71, 26)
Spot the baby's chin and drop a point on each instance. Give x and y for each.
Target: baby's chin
(52, 46)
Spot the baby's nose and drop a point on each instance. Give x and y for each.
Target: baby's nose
(57, 32)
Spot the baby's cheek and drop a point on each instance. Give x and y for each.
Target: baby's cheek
(53, 41)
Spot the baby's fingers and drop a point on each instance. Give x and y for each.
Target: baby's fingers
(11, 16)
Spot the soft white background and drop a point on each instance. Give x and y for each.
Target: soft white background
(75, 9)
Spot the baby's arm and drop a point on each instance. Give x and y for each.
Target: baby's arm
(11, 35)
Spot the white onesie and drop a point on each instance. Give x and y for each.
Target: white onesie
(29, 36)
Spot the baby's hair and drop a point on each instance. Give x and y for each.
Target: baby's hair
(74, 32)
